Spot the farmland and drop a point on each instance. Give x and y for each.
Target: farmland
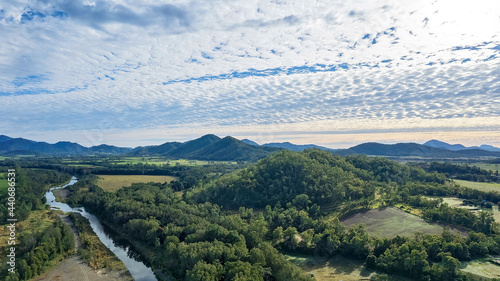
(390, 221)
(166, 161)
(112, 183)
(336, 268)
(481, 186)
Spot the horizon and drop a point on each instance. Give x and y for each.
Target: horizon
(130, 73)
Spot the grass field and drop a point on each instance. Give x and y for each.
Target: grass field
(481, 186)
(336, 269)
(390, 221)
(481, 269)
(112, 183)
(487, 166)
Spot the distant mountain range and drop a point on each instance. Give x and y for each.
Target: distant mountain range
(19, 146)
(415, 150)
(456, 147)
(208, 147)
(212, 147)
(288, 145)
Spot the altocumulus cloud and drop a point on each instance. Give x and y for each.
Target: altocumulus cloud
(141, 65)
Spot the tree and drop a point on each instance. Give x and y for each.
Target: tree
(416, 263)
(277, 235)
(242, 271)
(301, 201)
(204, 272)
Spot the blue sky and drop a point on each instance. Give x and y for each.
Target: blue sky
(334, 73)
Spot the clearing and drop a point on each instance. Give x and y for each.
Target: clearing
(390, 221)
(480, 269)
(337, 268)
(112, 183)
(455, 202)
(481, 186)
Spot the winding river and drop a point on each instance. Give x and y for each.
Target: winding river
(138, 269)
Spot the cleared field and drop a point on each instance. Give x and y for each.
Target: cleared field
(455, 202)
(337, 268)
(481, 269)
(390, 221)
(112, 183)
(481, 186)
(163, 161)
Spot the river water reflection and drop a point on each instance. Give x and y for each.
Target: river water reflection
(138, 269)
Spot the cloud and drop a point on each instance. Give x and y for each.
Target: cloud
(123, 65)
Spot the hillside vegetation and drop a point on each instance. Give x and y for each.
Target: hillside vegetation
(235, 227)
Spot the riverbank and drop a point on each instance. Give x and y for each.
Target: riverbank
(75, 268)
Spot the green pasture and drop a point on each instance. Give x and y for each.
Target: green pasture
(390, 221)
(481, 186)
(337, 268)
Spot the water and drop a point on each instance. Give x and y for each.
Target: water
(138, 269)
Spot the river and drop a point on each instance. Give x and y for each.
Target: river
(138, 269)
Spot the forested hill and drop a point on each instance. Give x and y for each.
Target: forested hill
(326, 179)
(209, 147)
(16, 146)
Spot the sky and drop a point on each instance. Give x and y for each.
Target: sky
(333, 73)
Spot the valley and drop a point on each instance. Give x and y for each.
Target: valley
(282, 217)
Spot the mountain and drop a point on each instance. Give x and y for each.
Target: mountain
(109, 149)
(190, 147)
(296, 147)
(414, 149)
(4, 138)
(20, 146)
(456, 147)
(230, 149)
(207, 147)
(156, 149)
(25, 145)
(489, 147)
(444, 145)
(288, 145)
(250, 142)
